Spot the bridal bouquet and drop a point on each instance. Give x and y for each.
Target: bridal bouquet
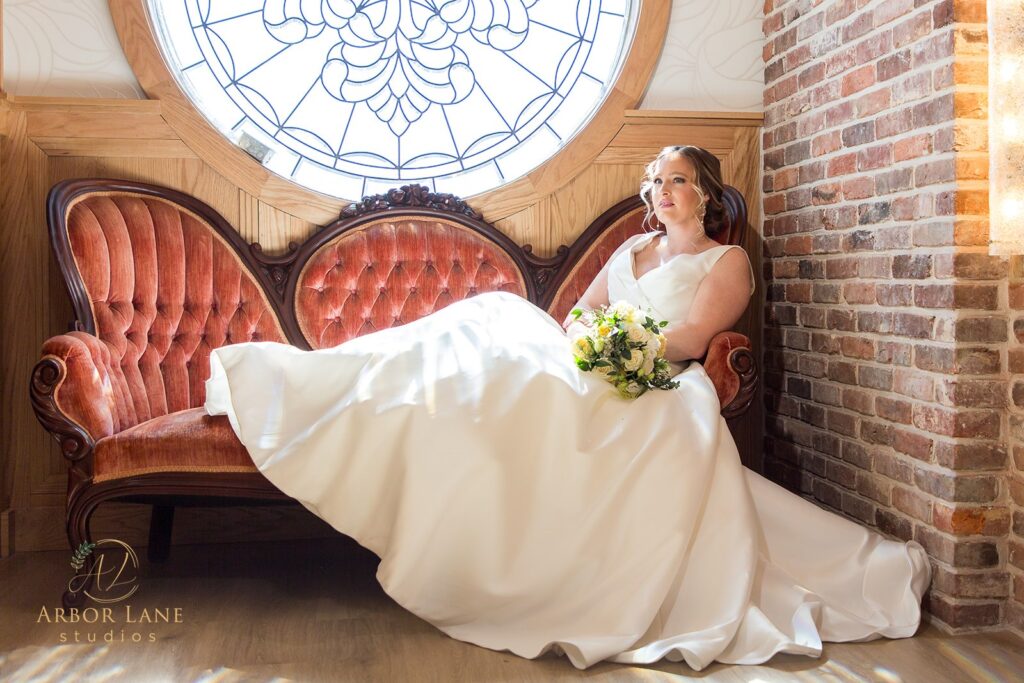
(625, 347)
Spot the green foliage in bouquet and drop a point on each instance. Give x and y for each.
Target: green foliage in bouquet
(625, 347)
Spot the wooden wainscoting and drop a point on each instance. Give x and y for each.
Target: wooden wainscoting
(45, 140)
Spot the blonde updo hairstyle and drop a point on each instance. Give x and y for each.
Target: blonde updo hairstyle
(708, 180)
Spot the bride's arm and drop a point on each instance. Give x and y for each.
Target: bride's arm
(597, 293)
(721, 298)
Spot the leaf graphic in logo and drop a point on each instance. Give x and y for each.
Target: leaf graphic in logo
(84, 550)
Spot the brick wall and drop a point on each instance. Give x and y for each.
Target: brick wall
(894, 363)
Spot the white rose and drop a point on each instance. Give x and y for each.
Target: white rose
(635, 332)
(653, 346)
(647, 369)
(636, 359)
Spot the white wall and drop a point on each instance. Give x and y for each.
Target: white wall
(64, 48)
(712, 58)
(68, 48)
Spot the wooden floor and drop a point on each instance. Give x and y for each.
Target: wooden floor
(313, 611)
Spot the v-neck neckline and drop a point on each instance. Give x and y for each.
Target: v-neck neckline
(632, 259)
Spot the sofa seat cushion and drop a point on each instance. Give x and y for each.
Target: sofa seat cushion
(184, 441)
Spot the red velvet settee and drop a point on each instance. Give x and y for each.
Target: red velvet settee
(158, 279)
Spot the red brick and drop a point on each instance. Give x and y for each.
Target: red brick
(892, 9)
(895, 353)
(972, 266)
(858, 401)
(894, 410)
(981, 329)
(893, 65)
(970, 585)
(894, 123)
(894, 467)
(842, 371)
(914, 384)
(874, 157)
(785, 179)
(912, 29)
(798, 292)
(912, 147)
(970, 455)
(970, 520)
(858, 347)
(960, 614)
(839, 10)
(775, 204)
(839, 114)
(857, 80)
(912, 88)
(876, 432)
(875, 487)
(843, 320)
(858, 292)
(842, 423)
(841, 165)
(873, 102)
(828, 494)
(827, 193)
(957, 488)
(893, 295)
(942, 171)
(811, 75)
(914, 444)
(983, 424)
(825, 143)
(912, 503)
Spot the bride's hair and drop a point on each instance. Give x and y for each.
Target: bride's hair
(708, 180)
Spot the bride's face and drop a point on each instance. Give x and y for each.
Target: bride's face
(673, 193)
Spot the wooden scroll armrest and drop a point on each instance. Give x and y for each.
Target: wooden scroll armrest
(71, 393)
(730, 365)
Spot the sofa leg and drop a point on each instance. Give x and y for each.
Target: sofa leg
(79, 512)
(160, 524)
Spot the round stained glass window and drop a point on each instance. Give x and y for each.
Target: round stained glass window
(352, 97)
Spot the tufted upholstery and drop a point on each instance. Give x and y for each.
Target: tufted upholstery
(185, 441)
(389, 272)
(163, 289)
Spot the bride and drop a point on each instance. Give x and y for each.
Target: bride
(521, 504)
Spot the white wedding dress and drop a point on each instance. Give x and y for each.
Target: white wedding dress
(519, 503)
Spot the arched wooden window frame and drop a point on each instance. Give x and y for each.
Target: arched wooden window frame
(135, 31)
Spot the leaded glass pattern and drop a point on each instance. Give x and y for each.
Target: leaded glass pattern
(356, 96)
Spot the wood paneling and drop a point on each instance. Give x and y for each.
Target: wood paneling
(30, 307)
(48, 140)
